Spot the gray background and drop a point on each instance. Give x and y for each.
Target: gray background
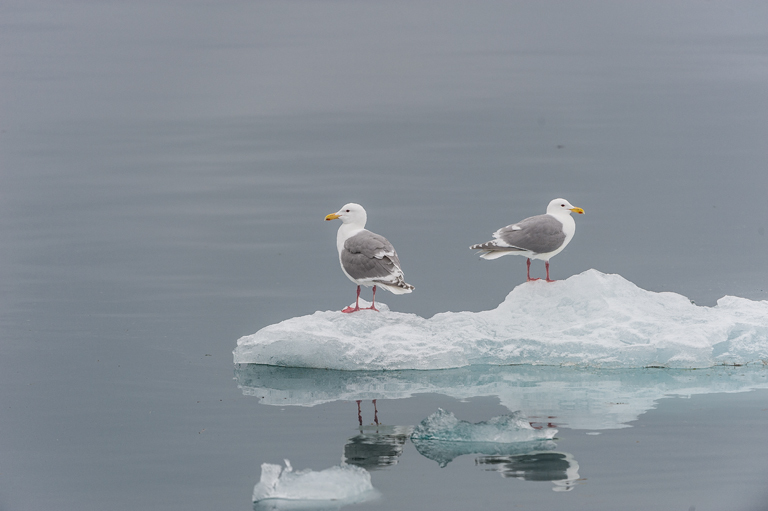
(166, 168)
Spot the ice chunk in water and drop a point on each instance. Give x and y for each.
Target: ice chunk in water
(442, 437)
(505, 429)
(341, 484)
(590, 319)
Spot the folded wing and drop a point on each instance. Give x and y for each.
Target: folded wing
(370, 257)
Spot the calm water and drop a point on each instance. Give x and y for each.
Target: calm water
(166, 169)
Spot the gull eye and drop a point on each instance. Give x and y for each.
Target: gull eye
(347, 211)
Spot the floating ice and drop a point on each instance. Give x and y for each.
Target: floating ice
(442, 437)
(506, 429)
(342, 484)
(577, 397)
(590, 319)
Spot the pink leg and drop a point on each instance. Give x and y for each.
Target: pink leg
(375, 413)
(547, 266)
(357, 303)
(528, 264)
(359, 415)
(373, 304)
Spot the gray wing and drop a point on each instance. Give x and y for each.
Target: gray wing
(367, 255)
(538, 234)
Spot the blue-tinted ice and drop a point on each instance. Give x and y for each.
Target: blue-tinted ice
(506, 429)
(591, 319)
(442, 437)
(579, 397)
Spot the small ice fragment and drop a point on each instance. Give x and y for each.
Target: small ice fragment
(441, 437)
(342, 483)
(511, 428)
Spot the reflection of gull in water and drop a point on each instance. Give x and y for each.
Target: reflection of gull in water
(559, 467)
(376, 447)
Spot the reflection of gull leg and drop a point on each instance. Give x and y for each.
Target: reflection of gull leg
(360, 414)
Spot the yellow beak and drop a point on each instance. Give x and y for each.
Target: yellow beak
(332, 216)
(575, 210)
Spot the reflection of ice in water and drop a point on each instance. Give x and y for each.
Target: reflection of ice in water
(443, 452)
(559, 467)
(341, 484)
(581, 398)
(591, 319)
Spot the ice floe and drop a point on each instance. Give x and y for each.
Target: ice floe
(591, 319)
(334, 486)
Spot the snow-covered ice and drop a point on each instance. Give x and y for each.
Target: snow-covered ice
(579, 397)
(342, 484)
(591, 319)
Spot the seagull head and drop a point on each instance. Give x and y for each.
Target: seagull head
(350, 214)
(560, 206)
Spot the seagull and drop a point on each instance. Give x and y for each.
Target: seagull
(368, 259)
(536, 237)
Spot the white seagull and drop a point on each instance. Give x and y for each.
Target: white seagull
(368, 259)
(536, 237)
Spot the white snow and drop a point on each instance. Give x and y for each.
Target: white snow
(591, 319)
(342, 484)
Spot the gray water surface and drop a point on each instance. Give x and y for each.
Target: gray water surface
(166, 169)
